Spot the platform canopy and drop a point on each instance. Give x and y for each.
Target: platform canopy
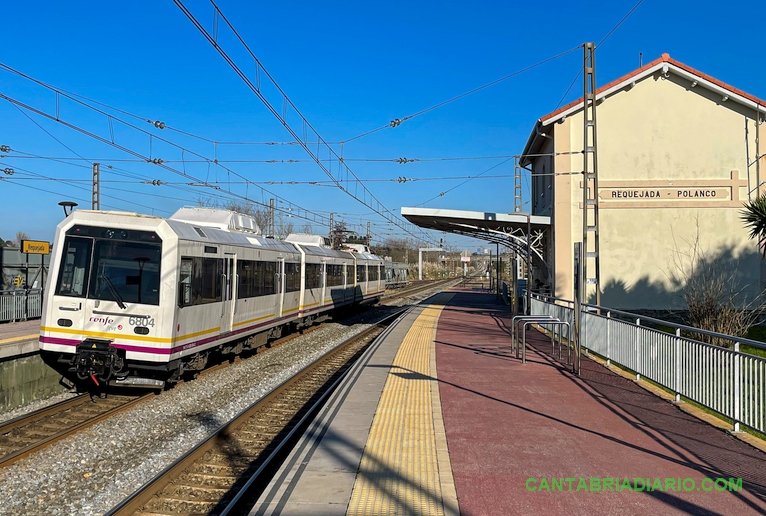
(509, 229)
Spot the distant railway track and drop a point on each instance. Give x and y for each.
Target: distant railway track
(27, 434)
(415, 288)
(225, 470)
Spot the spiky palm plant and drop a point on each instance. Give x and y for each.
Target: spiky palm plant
(754, 217)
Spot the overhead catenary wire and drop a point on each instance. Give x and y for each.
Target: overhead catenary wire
(442, 194)
(156, 124)
(347, 185)
(397, 121)
(158, 162)
(401, 179)
(33, 176)
(109, 169)
(219, 161)
(579, 70)
(220, 193)
(67, 181)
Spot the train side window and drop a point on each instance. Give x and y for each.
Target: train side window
(210, 286)
(185, 282)
(246, 274)
(269, 278)
(313, 275)
(203, 275)
(292, 277)
(334, 275)
(73, 277)
(361, 274)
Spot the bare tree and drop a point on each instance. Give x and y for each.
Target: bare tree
(339, 234)
(284, 229)
(307, 229)
(20, 235)
(712, 290)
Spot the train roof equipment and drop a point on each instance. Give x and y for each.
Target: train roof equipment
(226, 220)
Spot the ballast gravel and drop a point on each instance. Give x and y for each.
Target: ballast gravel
(91, 472)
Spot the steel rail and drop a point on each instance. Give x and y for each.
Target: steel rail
(225, 433)
(36, 416)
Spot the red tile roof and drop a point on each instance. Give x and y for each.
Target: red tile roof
(636, 73)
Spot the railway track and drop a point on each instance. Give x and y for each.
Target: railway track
(228, 468)
(27, 434)
(415, 289)
(32, 432)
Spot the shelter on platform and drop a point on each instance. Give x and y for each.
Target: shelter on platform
(677, 157)
(508, 229)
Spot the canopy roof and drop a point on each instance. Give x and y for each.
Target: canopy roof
(509, 229)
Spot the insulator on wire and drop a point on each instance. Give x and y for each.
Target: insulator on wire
(5, 148)
(395, 122)
(8, 171)
(159, 125)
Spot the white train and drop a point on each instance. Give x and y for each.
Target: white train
(139, 300)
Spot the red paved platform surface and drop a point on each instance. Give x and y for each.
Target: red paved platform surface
(506, 422)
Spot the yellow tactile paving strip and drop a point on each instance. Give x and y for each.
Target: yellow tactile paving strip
(399, 471)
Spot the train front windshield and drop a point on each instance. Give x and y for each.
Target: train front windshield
(111, 264)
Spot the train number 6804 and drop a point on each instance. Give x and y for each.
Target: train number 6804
(141, 321)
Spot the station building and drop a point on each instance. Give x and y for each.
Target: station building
(677, 157)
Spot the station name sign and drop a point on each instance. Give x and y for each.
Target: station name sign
(648, 194)
(35, 247)
(673, 193)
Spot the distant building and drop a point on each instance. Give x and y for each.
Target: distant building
(677, 157)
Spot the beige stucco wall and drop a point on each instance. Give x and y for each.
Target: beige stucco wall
(561, 224)
(659, 130)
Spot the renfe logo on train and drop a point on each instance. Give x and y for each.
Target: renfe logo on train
(101, 320)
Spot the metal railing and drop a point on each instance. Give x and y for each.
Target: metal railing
(559, 309)
(20, 305)
(725, 380)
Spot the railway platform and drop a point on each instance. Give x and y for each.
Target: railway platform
(439, 417)
(19, 338)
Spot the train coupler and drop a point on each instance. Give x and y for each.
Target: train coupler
(97, 360)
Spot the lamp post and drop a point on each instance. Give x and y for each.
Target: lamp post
(68, 204)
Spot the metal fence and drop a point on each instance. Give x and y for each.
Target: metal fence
(725, 380)
(558, 309)
(20, 305)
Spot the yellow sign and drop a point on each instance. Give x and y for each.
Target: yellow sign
(35, 247)
(17, 281)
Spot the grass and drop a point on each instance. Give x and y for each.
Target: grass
(757, 333)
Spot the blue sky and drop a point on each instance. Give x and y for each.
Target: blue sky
(349, 67)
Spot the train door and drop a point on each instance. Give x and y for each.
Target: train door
(279, 281)
(323, 283)
(229, 280)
